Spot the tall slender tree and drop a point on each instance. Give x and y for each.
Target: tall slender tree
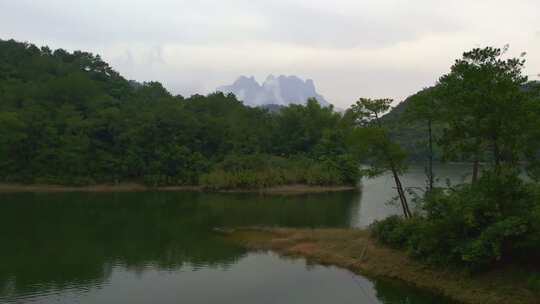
(384, 154)
(424, 107)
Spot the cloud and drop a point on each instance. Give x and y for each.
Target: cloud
(351, 26)
(351, 48)
(306, 23)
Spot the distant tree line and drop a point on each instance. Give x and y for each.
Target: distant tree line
(69, 118)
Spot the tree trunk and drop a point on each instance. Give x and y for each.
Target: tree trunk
(496, 155)
(476, 166)
(430, 164)
(401, 193)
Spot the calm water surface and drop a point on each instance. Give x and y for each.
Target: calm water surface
(378, 192)
(159, 248)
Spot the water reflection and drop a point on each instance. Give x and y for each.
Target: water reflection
(65, 241)
(160, 248)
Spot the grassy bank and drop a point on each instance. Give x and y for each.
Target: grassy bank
(358, 252)
(134, 187)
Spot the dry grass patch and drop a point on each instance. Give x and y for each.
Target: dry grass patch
(356, 250)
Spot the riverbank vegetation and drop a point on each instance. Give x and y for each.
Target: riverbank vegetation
(486, 112)
(357, 251)
(70, 119)
(262, 171)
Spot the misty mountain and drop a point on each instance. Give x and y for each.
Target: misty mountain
(282, 90)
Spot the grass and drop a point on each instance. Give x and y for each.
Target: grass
(357, 251)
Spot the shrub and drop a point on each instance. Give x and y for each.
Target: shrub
(474, 226)
(390, 231)
(262, 171)
(534, 283)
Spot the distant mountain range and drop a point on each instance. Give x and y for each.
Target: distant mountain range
(281, 91)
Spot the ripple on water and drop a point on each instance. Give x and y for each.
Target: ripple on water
(50, 292)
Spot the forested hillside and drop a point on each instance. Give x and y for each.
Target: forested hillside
(411, 133)
(69, 118)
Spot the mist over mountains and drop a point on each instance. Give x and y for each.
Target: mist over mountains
(281, 90)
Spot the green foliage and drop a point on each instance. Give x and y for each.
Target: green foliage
(484, 107)
(534, 283)
(484, 110)
(391, 231)
(474, 226)
(261, 171)
(68, 118)
(383, 153)
(425, 105)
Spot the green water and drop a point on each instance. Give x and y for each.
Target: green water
(159, 248)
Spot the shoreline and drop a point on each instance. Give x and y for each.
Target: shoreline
(135, 187)
(355, 250)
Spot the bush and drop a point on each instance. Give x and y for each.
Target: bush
(391, 231)
(534, 283)
(262, 171)
(474, 226)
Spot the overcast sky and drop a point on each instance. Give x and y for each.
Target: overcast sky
(350, 48)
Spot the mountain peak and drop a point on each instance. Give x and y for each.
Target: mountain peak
(245, 80)
(281, 90)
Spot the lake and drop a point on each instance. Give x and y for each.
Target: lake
(158, 247)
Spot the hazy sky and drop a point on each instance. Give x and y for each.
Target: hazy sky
(368, 48)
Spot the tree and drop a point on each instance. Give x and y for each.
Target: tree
(383, 153)
(424, 106)
(11, 134)
(485, 108)
(531, 143)
(300, 128)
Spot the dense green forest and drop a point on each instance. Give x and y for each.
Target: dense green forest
(69, 118)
